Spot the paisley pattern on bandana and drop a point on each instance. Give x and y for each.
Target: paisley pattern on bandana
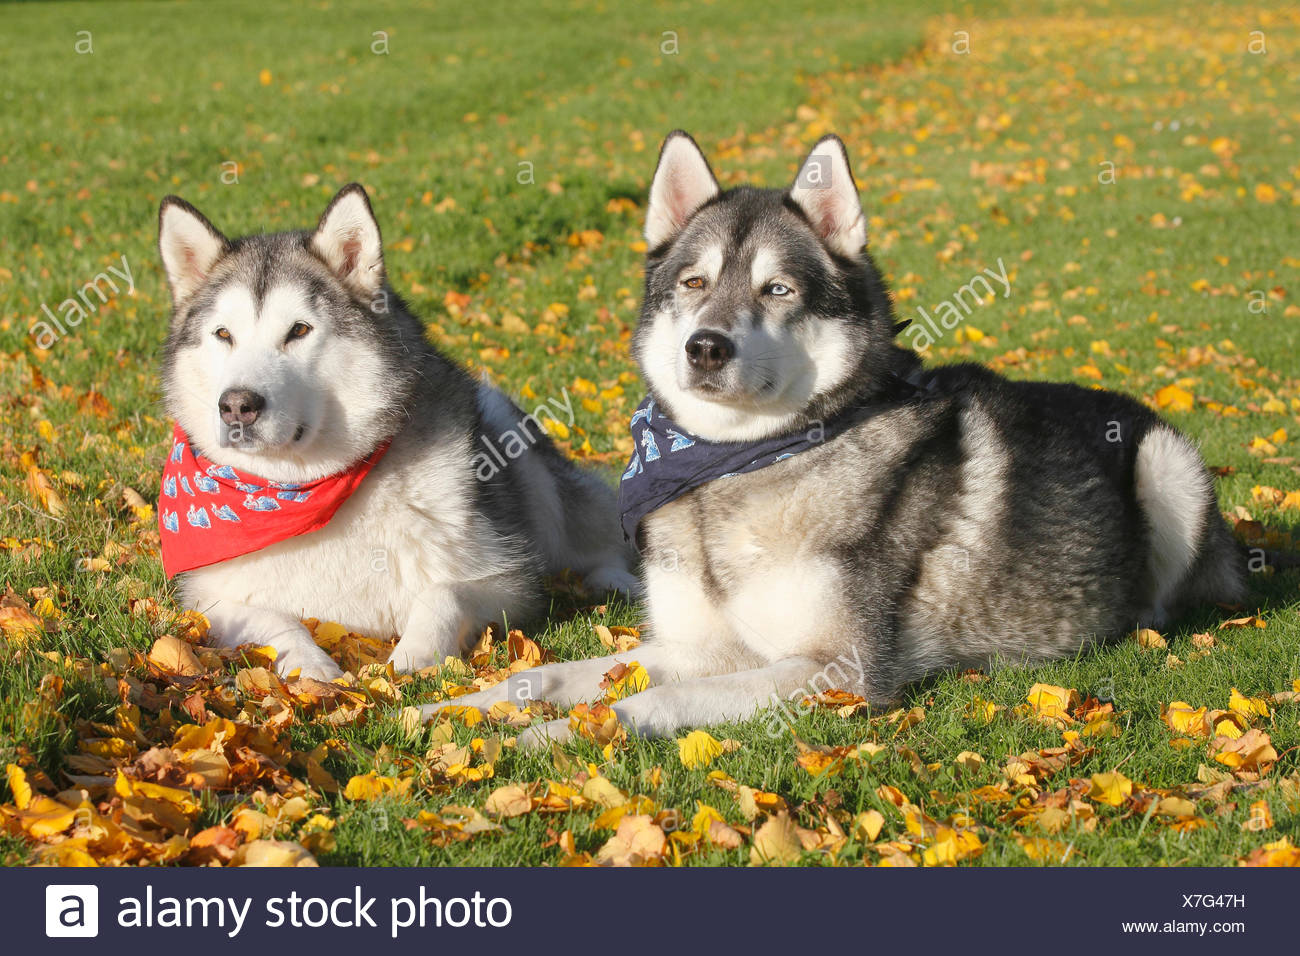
(209, 513)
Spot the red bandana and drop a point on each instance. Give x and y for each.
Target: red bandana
(209, 512)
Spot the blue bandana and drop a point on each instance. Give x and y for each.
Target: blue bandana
(668, 461)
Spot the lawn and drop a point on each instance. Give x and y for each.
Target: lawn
(1135, 173)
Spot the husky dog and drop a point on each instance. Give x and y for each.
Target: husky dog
(927, 519)
(290, 358)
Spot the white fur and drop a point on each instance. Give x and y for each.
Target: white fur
(710, 264)
(765, 268)
(704, 700)
(694, 643)
(825, 190)
(348, 240)
(409, 553)
(803, 360)
(682, 183)
(603, 568)
(189, 247)
(1172, 488)
(712, 662)
(399, 557)
(299, 379)
(779, 609)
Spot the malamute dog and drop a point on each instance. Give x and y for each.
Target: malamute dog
(817, 510)
(307, 399)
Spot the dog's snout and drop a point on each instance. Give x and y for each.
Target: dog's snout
(709, 351)
(240, 406)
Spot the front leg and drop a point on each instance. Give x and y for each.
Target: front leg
(660, 711)
(573, 682)
(696, 640)
(443, 618)
(234, 624)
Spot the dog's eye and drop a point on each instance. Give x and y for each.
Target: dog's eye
(694, 282)
(778, 288)
(223, 333)
(297, 331)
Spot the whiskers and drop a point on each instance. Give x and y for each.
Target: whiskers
(767, 365)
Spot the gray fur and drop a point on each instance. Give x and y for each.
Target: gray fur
(987, 520)
(970, 521)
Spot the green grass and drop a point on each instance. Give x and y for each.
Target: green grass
(962, 160)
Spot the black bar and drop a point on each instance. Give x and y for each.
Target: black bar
(639, 910)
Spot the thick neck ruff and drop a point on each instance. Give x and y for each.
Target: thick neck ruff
(209, 513)
(668, 461)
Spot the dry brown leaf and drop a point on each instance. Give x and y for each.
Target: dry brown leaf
(776, 841)
(175, 656)
(273, 853)
(638, 841)
(1252, 752)
(511, 800)
(1149, 639)
(215, 846)
(618, 639)
(19, 625)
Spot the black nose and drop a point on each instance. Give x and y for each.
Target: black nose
(240, 406)
(709, 350)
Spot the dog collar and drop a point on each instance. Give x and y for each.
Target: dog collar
(209, 513)
(668, 461)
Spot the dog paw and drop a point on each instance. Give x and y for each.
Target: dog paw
(412, 654)
(613, 579)
(540, 736)
(482, 700)
(519, 689)
(430, 712)
(308, 661)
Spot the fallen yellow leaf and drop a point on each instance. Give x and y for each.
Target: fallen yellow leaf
(867, 825)
(371, 786)
(776, 841)
(511, 800)
(638, 841)
(1248, 707)
(1252, 751)
(1110, 788)
(698, 749)
(175, 656)
(273, 853)
(1175, 398)
(18, 786)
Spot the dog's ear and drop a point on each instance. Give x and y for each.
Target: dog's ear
(190, 246)
(825, 191)
(683, 183)
(347, 240)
